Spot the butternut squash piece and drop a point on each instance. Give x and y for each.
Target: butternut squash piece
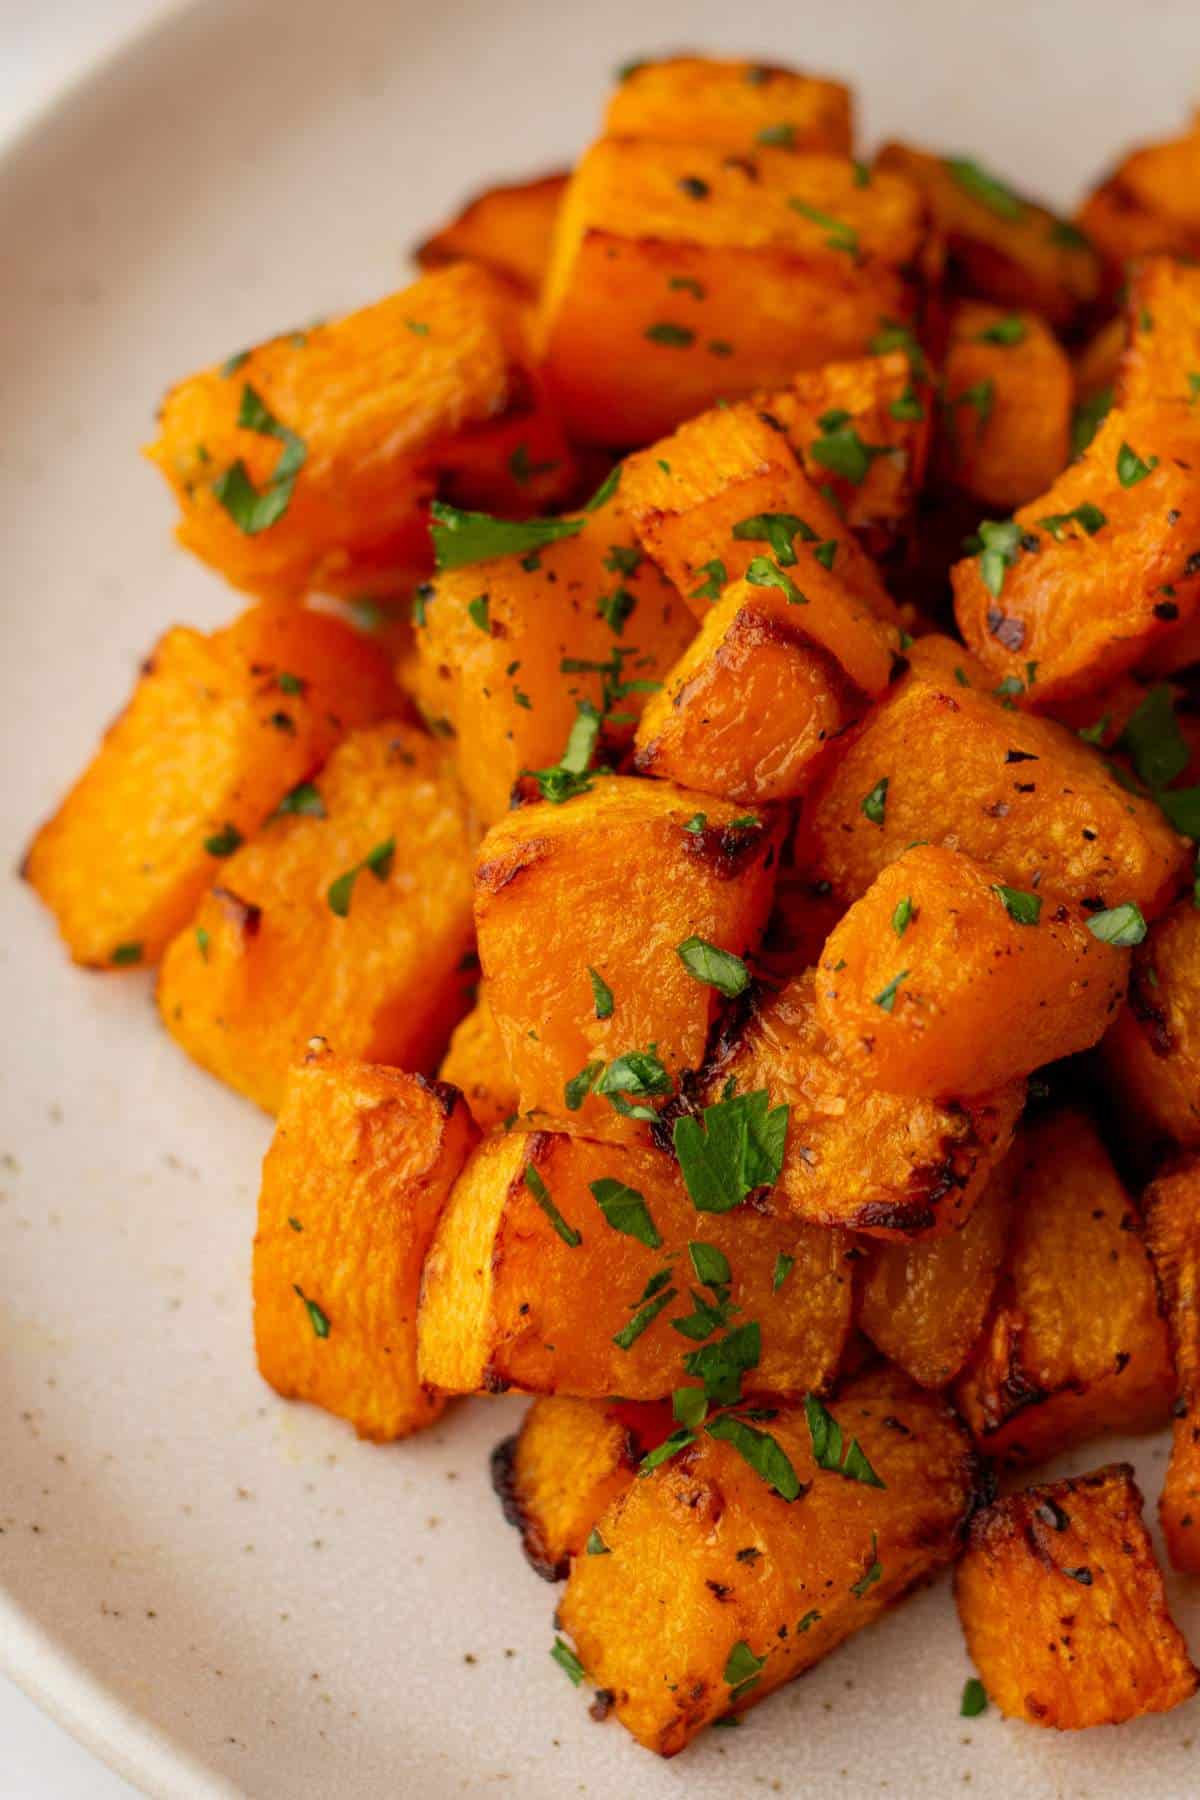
(1000, 246)
(1162, 327)
(358, 1170)
(307, 463)
(886, 1166)
(948, 762)
(1075, 1344)
(1007, 395)
(682, 274)
(581, 910)
(216, 732)
(507, 229)
(475, 1063)
(1152, 1051)
(348, 917)
(1063, 1607)
(547, 1275)
(1148, 204)
(718, 1587)
(735, 106)
(1173, 1235)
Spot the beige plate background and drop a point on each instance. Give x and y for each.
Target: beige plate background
(224, 1594)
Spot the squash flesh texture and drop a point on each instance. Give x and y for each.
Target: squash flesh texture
(501, 686)
(688, 492)
(1063, 1606)
(1022, 260)
(383, 410)
(509, 229)
(208, 740)
(1019, 794)
(924, 1305)
(1074, 1344)
(1173, 1235)
(1148, 205)
(655, 1621)
(728, 105)
(1082, 607)
(267, 963)
(1013, 446)
(1162, 333)
(613, 881)
(966, 998)
(1152, 1051)
(476, 1064)
(508, 1303)
(362, 1161)
(776, 294)
(886, 1166)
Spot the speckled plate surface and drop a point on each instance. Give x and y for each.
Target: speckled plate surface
(222, 1593)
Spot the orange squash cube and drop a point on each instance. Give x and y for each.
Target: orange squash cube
(733, 106)
(508, 229)
(1173, 1236)
(1148, 204)
(1007, 395)
(347, 917)
(1152, 1050)
(1162, 329)
(475, 1063)
(217, 731)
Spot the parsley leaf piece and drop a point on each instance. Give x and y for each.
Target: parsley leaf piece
(841, 236)
(981, 396)
(233, 363)
(842, 451)
(626, 1211)
(783, 1268)
(711, 1265)
(624, 559)
(742, 1669)
(596, 1545)
(253, 511)
(569, 776)
(1007, 331)
(907, 406)
(975, 180)
(739, 1148)
(1154, 740)
(378, 861)
(522, 469)
(782, 136)
(477, 612)
(461, 538)
(616, 608)
(829, 1449)
(720, 1366)
(670, 1446)
(764, 573)
(1182, 807)
(885, 999)
(896, 336)
(1087, 419)
(974, 1699)
(689, 1406)
(709, 1316)
(318, 1319)
(715, 575)
(1088, 516)
(779, 530)
(809, 1620)
(580, 1086)
(567, 1661)
(1025, 909)
(126, 955)
(639, 1073)
(873, 1574)
(695, 825)
(761, 1451)
(874, 803)
(602, 995)
(1131, 468)
(1000, 545)
(541, 1193)
(902, 917)
(202, 942)
(717, 968)
(224, 842)
(304, 799)
(1122, 926)
(679, 337)
(686, 284)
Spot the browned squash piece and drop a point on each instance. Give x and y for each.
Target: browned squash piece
(568, 1462)
(776, 671)
(682, 274)
(581, 910)
(1022, 795)
(546, 1274)
(510, 649)
(1152, 1050)
(1149, 203)
(1063, 1607)
(360, 1165)
(348, 916)
(732, 106)
(1074, 1344)
(1162, 326)
(890, 1167)
(307, 462)
(1173, 1235)
(718, 1587)
(725, 489)
(475, 1063)
(924, 1304)
(1085, 581)
(508, 229)
(216, 732)
(942, 981)
(1000, 246)
(1007, 395)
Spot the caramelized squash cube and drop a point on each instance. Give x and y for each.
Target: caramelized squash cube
(732, 106)
(1173, 1235)
(475, 1063)
(508, 229)
(1152, 1051)
(1148, 204)
(1007, 395)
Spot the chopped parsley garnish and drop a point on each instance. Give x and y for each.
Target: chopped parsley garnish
(981, 397)
(999, 545)
(541, 1193)
(223, 842)
(679, 337)
(567, 1661)
(1007, 331)
(523, 470)
(686, 284)
(1025, 909)
(237, 361)
(896, 336)
(841, 236)
(202, 942)
(781, 136)
(602, 995)
(290, 684)
(580, 1086)
(874, 803)
(717, 968)
(715, 577)
(907, 406)
(842, 451)
(125, 955)
(596, 1545)
(902, 917)
(1153, 738)
(761, 1451)
(616, 608)
(378, 861)
(569, 776)
(624, 559)
(250, 509)
(974, 1699)
(1087, 419)
(670, 1446)
(305, 799)
(885, 999)
(780, 531)
(477, 612)
(783, 1268)
(739, 1147)
(873, 1574)
(318, 1319)
(829, 1450)
(720, 1366)
(711, 1265)
(742, 1669)
(764, 573)
(638, 1073)
(1182, 807)
(626, 1211)
(1131, 468)
(689, 1407)
(1122, 926)
(695, 825)
(975, 180)
(461, 538)
(1089, 517)
(809, 1620)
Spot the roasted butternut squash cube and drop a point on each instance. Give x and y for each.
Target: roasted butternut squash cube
(1173, 1235)
(511, 648)
(725, 489)
(565, 1266)
(887, 1166)
(569, 1461)
(924, 1304)
(1083, 582)
(1162, 327)
(508, 229)
(307, 462)
(1007, 395)
(948, 762)
(1152, 1051)
(733, 106)
(1074, 1344)
(1148, 204)
(719, 1586)
(1000, 246)
(581, 911)
(347, 917)
(774, 674)
(941, 980)
(216, 732)
(358, 1170)
(1063, 1607)
(475, 1063)
(682, 274)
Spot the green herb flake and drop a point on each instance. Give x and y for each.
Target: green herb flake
(842, 451)
(999, 546)
(1087, 418)
(974, 1699)
(695, 825)
(224, 842)
(717, 968)
(720, 1366)
(784, 1265)
(742, 1669)
(761, 1451)
(677, 337)
(418, 327)
(461, 538)
(541, 1193)
(739, 1147)
(841, 236)
(830, 1452)
(873, 1574)
(1006, 332)
(304, 799)
(341, 891)
(1131, 468)
(1122, 926)
(779, 530)
(1025, 909)
(638, 1073)
(290, 684)
(1089, 517)
(125, 955)
(715, 578)
(626, 1211)
(602, 995)
(1153, 738)
(885, 999)
(250, 509)
(711, 1265)
(809, 1620)
(975, 180)
(764, 573)
(477, 612)
(670, 1446)
(237, 361)
(567, 1661)
(781, 137)
(689, 1406)
(580, 1086)
(875, 803)
(685, 284)
(318, 1319)
(907, 406)
(202, 942)
(569, 776)
(902, 917)
(1182, 807)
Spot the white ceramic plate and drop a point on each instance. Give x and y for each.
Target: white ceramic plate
(220, 1592)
